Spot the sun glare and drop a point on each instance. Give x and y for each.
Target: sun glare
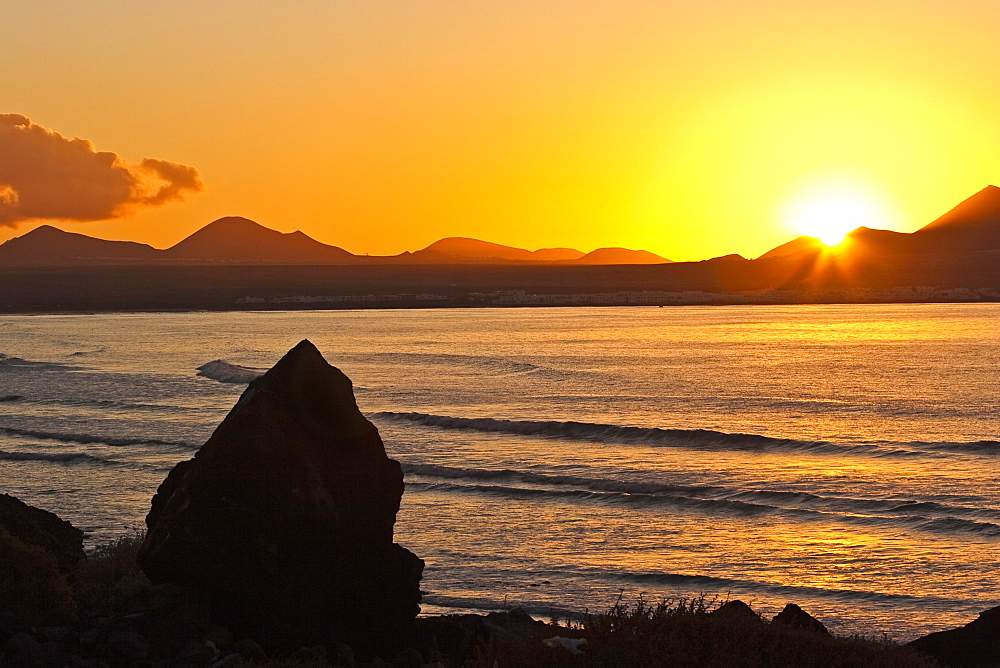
(831, 211)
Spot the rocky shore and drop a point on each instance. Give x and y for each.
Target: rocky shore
(274, 546)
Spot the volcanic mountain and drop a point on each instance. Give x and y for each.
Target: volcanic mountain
(463, 249)
(50, 245)
(803, 244)
(619, 256)
(239, 241)
(973, 225)
(236, 240)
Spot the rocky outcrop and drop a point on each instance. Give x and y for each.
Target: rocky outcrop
(975, 644)
(797, 618)
(33, 526)
(284, 518)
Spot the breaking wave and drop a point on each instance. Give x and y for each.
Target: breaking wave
(596, 484)
(609, 433)
(225, 372)
(730, 507)
(708, 583)
(703, 439)
(918, 514)
(972, 447)
(502, 366)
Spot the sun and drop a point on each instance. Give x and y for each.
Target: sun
(829, 211)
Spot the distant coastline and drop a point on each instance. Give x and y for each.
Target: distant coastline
(73, 289)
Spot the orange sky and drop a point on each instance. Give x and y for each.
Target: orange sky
(685, 128)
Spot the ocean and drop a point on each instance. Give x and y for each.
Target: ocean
(842, 457)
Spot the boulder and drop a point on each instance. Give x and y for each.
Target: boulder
(736, 611)
(975, 644)
(284, 518)
(797, 618)
(61, 540)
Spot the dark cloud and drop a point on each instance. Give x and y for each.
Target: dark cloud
(45, 176)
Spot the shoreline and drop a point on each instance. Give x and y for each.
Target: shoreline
(291, 308)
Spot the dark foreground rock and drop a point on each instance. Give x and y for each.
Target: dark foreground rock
(973, 645)
(61, 540)
(284, 518)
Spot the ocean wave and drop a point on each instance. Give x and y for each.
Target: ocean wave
(709, 583)
(503, 366)
(971, 447)
(720, 506)
(98, 403)
(778, 499)
(609, 433)
(60, 458)
(86, 439)
(11, 363)
(110, 403)
(83, 353)
(678, 583)
(226, 372)
(595, 484)
(717, 505)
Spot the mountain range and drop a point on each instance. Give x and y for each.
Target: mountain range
(967, 234)
(235, 263)
(239, 241)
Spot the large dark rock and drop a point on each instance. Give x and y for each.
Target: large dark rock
(61, 540)
(975, 644)
(284, 518)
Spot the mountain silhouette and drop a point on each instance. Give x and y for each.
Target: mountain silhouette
(980, 210)
(973, 225)
(237, 240)
(50, 245)
(620, 256)
(234, 240)
(802, 244)
(474, 249)
(464, 249)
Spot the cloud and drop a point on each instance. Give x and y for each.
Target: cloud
(45, 176)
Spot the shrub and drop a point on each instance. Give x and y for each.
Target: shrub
(109, 576)
(684, 632)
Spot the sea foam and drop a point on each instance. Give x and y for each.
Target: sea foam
(226, 372)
